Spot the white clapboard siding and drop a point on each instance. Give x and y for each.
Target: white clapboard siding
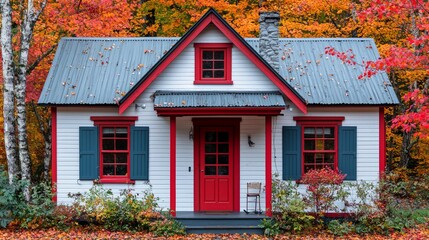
(179, 75)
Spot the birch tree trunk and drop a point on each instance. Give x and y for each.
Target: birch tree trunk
(8, 90)
(30, 17)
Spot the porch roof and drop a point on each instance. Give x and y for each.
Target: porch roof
(218, 102)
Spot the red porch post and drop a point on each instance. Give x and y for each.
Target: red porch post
(382, 139)
(268, 174)
(173, 165)
(54, 152)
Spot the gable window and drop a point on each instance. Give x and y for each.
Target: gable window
(316, 143)
(114, 150)
(213, 63)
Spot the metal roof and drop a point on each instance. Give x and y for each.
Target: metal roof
(100, 71)
(324, 79)
(191, 99)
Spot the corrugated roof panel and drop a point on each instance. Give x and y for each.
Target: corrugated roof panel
(190, 99)
(100, 70)
(324, 79)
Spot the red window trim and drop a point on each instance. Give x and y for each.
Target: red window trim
(316, 122)
(102, 122)
(199, 47)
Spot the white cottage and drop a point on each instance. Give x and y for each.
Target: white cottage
(198, 117)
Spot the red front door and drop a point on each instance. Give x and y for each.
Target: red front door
(216, 160)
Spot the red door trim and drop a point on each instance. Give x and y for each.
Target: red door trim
(173, 166)
(268, 164)
(54, 153)
(209, 122)
(382, 142)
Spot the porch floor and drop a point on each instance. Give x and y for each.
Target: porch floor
(221, 222)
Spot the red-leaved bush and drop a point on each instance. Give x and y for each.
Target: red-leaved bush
(324, 188)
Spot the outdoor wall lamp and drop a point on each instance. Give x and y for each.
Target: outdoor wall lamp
(250, 142)
(142, 106)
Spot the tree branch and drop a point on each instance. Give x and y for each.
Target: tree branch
(36, 63)
(39, 121)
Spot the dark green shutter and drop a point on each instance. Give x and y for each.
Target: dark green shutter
(88, 153)
(347, 152)
(139, 153)
(291, 153)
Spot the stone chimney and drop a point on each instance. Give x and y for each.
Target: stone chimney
(269, 37)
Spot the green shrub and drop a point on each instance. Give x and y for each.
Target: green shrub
(339, 228)
(126, 212)
(271, 227)
(167, 227)
(13, 206)
(288, 208)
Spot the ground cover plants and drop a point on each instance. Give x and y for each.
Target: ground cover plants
(393, 207)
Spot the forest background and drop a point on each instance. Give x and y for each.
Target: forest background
(400, 29)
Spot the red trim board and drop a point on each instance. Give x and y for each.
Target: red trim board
(54, 152)
(173, 166)
(382, 142)
(268, 165)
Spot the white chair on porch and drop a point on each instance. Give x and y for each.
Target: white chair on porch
(254, 192)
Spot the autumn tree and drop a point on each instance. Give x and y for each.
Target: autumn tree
(29, 63)
(405, 57)
(15, 82)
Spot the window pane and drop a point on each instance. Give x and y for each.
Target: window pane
(121, 170)
(218, 55)
(108, 170)
(108, 144)
(319, 158)
(210, 148)
(309, 132)
(121, 144)
(319, 144)
(329, 158)
(319, 132)
(121, 132)
(210, 170)
(223, 159)
(309, 145)
(223, 170)
(223, 148)
(329, 132)
(108, 132)
(219, 74)
(207, 74)
(223, 137)
(108, 158)
(329, 144)
(207, 54)
(309, 158)
(210, 136)
(121, 158)
(210, 159)
(207, 65)
(218, 65)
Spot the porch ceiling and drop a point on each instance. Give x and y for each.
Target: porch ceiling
(189, 103)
